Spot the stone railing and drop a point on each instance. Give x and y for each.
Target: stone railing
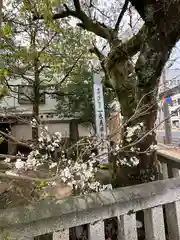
(158, 200)
(25, 223)
(175, 141)
(170, 164)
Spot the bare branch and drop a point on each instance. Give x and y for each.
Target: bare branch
(125, 6)
(150, 131)
(132, 46)
(60, 94)
(86, 23)
(102, 58)
(140, 6)
(47, 45)
(77, 5)
(43, 67)
(71, 68)
(97, 52)
(23, 177)
(129, 48)
(13, 139)
(101, 12)
(12, 157)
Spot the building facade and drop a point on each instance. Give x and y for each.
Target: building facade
(16, 114)
(175, 118)
(170, 79)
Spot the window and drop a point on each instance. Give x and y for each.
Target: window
(25, 95)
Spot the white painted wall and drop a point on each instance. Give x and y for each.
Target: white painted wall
(24, 131)
(12, 102)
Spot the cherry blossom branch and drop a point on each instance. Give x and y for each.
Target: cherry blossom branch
(137, 113)
(150, 131)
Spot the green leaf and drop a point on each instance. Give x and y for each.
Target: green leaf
(6, 236)
(41, 185)
(1, 139)
(6, 30)
(5, 72)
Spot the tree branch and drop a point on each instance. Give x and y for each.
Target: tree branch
(25, 177)
(86, 23)
(121, 15)
(77, 5)
(47, 45)
(14, 139)
(140, 6)
(71, 68)
(12, 157)
(97, 52)
(131, 46)
(102, 58)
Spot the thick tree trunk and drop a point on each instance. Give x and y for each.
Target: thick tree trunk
(138, 104)
(153, 56)
(36, 100)
(35, 115)
(114, 124)
(137, 86)
(154, 41)
(73, 131)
